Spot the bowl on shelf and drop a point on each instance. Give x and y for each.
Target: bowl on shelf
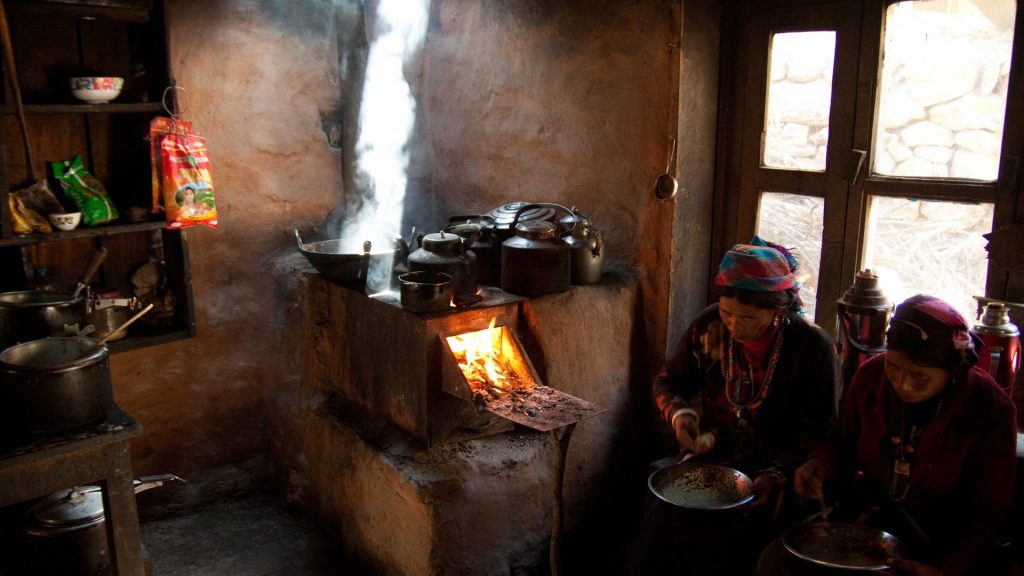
(96, 89)
(65, 220)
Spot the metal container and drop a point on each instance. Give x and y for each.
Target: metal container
(863, 314)
(586, 246)
(701, 486)
(535, 261)
(448, 253)
(504, 218)
(33, 314)
(477, 231)
(426, 291)
(66, 531)
(351, 264)
(1001, 354)
(54, 385)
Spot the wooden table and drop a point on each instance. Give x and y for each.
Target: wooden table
(95, 456)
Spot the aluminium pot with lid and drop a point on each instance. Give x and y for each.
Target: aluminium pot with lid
(32, 314)
(535, 261)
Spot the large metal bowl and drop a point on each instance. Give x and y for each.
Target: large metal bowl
(701, 486)
(344, 262)
(840, 545)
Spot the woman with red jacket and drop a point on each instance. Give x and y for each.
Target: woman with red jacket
(924, 446)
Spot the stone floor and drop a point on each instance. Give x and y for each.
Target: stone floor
(252, 536)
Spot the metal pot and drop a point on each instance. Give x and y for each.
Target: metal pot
(448, 253)
(54, 385)
(33, 314)
(107, 319)
(66, 531)
(352, 264)
(477, 230)
(504, 218)
(426, 291)
(586, 245)
(535, 261)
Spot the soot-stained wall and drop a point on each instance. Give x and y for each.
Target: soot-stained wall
(570, 102)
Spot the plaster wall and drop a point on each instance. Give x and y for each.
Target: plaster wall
(571, 102)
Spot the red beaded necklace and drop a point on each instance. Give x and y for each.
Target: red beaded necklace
(734, 383)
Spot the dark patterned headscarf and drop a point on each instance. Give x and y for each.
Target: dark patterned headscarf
(759, 266)
(932, 333)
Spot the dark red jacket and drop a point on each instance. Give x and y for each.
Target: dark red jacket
(962, 477)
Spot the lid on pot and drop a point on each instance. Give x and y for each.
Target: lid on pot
(865, 292)
(537, 229)
(504, 215)
(70, 508)
(54, 354)
(442, 242)
(995, 321)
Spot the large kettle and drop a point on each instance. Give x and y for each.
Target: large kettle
(476, 232)
(449, 253)
(536, 260)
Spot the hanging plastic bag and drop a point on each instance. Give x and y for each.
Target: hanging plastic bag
(87, 192)
(182, 181)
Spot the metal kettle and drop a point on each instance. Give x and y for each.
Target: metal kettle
(586, 247)
(1000, 356)
(449, 253)
(863, 314)
(536, 260)
(476, 231)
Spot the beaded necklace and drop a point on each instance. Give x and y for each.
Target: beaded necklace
(906, 444)
(737, 382)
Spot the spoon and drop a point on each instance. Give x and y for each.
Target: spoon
(666, 186)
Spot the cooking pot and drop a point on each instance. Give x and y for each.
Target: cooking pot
(352, 264)
(448, 253)
(586, 246)
(535, 261)
(504, 218)
(66, 531)
(33, 314)
(54, 385)
(426, 291)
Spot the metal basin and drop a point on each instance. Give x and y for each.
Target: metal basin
(701, 486)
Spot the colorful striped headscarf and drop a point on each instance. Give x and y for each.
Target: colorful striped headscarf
(759, 266)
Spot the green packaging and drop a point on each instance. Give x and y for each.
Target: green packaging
(85, 190)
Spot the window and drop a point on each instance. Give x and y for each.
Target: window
(870, 135)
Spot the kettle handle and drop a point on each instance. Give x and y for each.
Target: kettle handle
(515, 220)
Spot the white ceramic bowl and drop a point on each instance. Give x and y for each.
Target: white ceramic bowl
(96, 89)
(66, 220)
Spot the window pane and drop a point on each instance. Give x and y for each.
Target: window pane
(799, 100)
(927, 247)
(796, 222)
(945, 72)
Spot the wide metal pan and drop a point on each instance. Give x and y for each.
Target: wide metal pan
(701, 486)
(841, 545)
(345, 262)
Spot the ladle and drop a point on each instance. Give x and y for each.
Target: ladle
(122, 327)
(666, 186)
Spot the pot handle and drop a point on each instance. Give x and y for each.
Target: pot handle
(298, 239)
(143, 483)
(515, 220)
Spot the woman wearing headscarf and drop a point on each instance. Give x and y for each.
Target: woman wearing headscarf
(751, 385)
(924, 446)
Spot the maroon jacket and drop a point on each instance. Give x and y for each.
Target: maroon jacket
(962, 476)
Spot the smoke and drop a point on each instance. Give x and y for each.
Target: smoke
(395, 32)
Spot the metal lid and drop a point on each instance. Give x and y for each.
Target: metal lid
(68, 508)
(995, 320)
(442, 242)
(465, 229)
(537, 229)
(504, 215)
(865, 292)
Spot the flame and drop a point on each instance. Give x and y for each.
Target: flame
(479, 356)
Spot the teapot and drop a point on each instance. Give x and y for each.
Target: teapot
(585, 245)
(449, 253)
(536, 260)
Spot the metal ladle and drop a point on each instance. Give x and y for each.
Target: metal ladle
(666, 185)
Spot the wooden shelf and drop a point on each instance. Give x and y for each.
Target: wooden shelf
(83, 232)
(108, 108)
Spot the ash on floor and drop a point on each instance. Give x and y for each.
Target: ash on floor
(252, 535)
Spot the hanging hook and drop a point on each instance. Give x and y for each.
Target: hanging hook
(175, 108)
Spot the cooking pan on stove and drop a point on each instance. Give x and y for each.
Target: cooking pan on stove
(701, 486)
(840, 545)
(346, 262)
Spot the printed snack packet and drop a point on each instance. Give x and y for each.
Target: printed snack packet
(187, 185)
(87, 192)
(159, 127)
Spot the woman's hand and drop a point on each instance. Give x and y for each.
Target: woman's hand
(913, 568)
(764, 486)
(807, 480)
(686, 430)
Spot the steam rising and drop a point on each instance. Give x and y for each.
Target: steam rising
(386, 120)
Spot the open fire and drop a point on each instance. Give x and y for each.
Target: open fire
(499, 378)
